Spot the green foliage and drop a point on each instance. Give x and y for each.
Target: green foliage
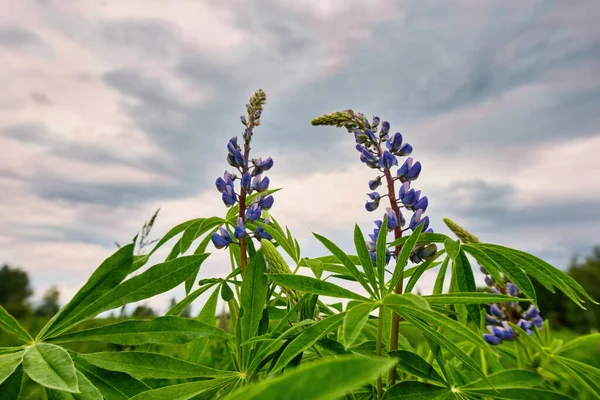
(289, 331)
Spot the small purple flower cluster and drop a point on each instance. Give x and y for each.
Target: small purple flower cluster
(370, 137)
(252, 180)
(496, 320)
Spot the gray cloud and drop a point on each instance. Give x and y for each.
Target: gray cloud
(16, 37)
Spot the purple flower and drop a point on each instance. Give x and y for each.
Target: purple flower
(375, 183)
(253, 212)
(266, 202)
(418, 219)
(512, 289)
(489, 281)
(408, 171)
(246, 182)
(229, 197)
(221, 239)
(373, 195)
(368, 158)
(220, 184)
(392, 219)
(496, 312)
(387, 160)
(371, 205)
(492, 339)
(405, 150)
(261, 233)
(422, 203)
(385, 128)
(371, 135)
(260, 185)
(240, 229)
(524, 324)
(531, 313)
(491, 320)
(394, 143)
(538, 321)
(261, 166)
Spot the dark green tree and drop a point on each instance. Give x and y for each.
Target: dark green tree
(49, 305)
(15, 291)
(560, 311)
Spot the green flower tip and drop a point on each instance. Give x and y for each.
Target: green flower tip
(460, 232)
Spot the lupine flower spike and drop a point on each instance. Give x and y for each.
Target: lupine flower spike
(499, 314)
(251, 180)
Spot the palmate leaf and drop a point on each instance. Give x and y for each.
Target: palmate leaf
(11, 326)
(414, 364)
(439, 281)
(50, 366)
(113, 385)
(322, 380)
(144, 365)
(539, 268)
(141, 261)
(314, 286)
(161, 330)
(465, 280)
(9, 363)
(354, 321)
(106, 277)
(490, 258)
(184, 391)
(407, 248)
(87, 391)
(413, 390)
(470, 298)
(11, 387)
(346, 262)
(157, 279)
(307, 338)
(365, 259)
(253, 299)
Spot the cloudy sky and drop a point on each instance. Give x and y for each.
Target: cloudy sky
(111, 109)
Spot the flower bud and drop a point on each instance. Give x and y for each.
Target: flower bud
(246, 182)
(240, 229)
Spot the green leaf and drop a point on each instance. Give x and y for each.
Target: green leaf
(407, 300)
(185, 391)
(365, 258)
(320, 380)
(419, 272)
(106, 277)
(466, 283)
(9, 363)
(439, 281)
(143, 365)
(511, 378)
(161, 330)
(112, 385)
(11, 387)
(407, 248)
(157, 279)
(180, 307)
(519, 393)
(253, 296)
(491, 258)
(281, 240)
(442, 341)
(380, 252)
(354, 321)
(346, 261)
(413, 390)
(50, 366)
(314, 286)
(87, 391)
(207, 315)
(540, 267)
(415, 365)
(307, 338)
(138, 263)
(11, 326)
(470, 298)
(580, 341)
